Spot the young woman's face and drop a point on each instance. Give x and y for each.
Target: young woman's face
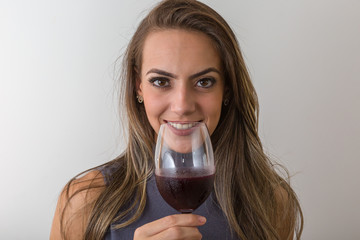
(181, 79)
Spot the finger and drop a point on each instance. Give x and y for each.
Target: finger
(178, 233)
(177, 220)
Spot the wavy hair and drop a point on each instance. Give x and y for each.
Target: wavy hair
(256, 200)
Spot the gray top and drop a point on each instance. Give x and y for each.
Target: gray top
(216, 226)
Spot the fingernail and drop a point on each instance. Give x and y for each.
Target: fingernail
(202, 219)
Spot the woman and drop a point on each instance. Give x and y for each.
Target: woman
(183, 65)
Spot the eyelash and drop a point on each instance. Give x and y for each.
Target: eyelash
(155, 79)
(210, 79)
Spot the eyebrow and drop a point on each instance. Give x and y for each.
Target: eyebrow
(164, 73)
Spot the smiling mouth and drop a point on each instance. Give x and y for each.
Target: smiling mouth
(182, 126)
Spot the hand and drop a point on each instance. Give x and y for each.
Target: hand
(178, 226)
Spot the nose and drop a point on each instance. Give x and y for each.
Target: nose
(183, 100)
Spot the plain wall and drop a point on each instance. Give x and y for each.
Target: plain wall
(58, 109)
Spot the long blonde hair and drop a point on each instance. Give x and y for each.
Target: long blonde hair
(246, 184)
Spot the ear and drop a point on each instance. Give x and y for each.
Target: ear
(138, 86)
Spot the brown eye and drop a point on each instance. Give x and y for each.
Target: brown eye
(205, 82)
(160, 82)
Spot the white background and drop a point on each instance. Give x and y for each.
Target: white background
(58, 110)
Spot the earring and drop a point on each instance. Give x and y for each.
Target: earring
(226, 102)
(140, 99)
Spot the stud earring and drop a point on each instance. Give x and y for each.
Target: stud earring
(226, 102)
(140, 99)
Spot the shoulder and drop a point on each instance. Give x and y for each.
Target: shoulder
(75, 204)
(83, 190)
(88, 181)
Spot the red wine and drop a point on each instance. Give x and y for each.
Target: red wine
(187, 192)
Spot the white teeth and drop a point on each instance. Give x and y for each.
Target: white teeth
(181, 126)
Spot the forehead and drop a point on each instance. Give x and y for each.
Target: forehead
(172, 47)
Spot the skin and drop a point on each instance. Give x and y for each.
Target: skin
(180, 226)
(181, 79)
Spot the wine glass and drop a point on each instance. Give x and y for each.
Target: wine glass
(184, 165)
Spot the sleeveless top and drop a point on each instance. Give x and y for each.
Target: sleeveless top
(215, 228)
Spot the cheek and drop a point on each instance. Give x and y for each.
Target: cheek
(151, 109)
(154, 108)
(212, 110)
